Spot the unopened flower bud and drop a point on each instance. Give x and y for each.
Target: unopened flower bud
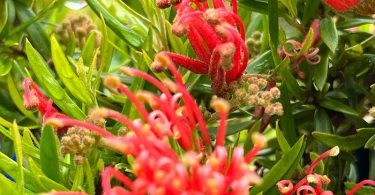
(179, 29)
(127, 71)
(212, 16)
(279, 110)
(257, 35)
(220, 105)
(175, 2)
(162, 4)
(253, 89)
(259, 140)
(262, 83)
(253, 100)
(161, 62)
(266, 95)
(275, 92)
(226, 52)
(270, 110)
(112, 82)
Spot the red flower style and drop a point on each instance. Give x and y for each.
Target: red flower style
(213, 34)
(34, 98)
(158, 169)
(342, 5)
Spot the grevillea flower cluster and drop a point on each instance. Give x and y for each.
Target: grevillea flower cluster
(158, 168)
(217, 36)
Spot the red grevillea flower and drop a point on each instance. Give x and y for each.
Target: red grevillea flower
(34, 98)
(359, 185)
(158, 169)
(286, 187)
(342, 5)
(213, 34)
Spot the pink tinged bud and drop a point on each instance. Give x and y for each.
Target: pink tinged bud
(226, 52)
(342, 5)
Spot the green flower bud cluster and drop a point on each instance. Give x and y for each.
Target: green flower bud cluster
(80, 141)
(252, 90)
(78, 27)
(254, 43)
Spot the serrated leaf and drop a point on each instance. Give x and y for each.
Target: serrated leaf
(282, 169)
(328, 33)
(337, 106)
(51, 85)
(49, 158)
(67, 75)
(346, 143)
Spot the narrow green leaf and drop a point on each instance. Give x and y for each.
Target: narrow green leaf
(51, 85)
(19, 155)
(49, 158)
(78, 178)
(287, 120)
(328, 33)
(310, 10)
(321, 70)
(90, 180)
(307, 42)
(50, 185)
(370, 144)
(282, 169)
(291, 82)
(89, 48)
(347, 143)
(261, 64)
(7, 186)
(3, 14)
(11, 168)
(322, 122)
(234, 126)
(283, 143)
(124, 32)
(273, 26)
(67, 75)
(35, 30)
(5, 66)
(337, 106)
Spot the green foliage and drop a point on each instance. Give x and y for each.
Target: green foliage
(327, 106)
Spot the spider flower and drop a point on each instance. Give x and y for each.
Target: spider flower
(158, 168)
(217, 36)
